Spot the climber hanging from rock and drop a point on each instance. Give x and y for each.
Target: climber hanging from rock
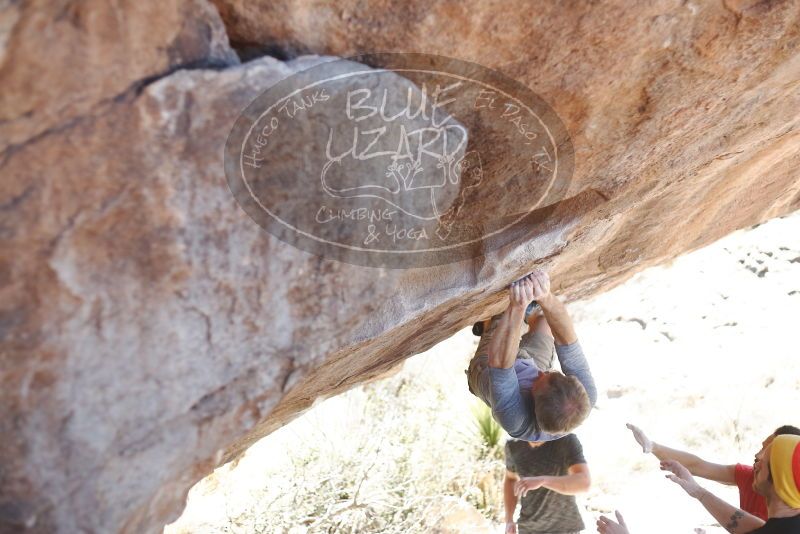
(515, 378)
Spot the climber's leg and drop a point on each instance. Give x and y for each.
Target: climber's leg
(481, 358)
(538, 343)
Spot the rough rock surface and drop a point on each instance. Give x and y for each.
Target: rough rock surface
(59, 60)
(150, 330)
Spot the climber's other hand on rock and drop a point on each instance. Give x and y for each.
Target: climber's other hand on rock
(541, 285)
(521, 293)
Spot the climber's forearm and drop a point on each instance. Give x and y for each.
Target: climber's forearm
(559, 320)
(505, 342)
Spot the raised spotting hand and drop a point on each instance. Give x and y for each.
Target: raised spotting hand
(682, 477)
(641, 438)
(609, 526)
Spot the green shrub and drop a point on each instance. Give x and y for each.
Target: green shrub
(488, 429)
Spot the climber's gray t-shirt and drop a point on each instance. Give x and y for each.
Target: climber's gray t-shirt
(544, 510)
(508, 391)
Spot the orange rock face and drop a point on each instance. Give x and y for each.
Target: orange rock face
(150, 330)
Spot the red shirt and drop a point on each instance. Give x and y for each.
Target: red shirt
(749, 500)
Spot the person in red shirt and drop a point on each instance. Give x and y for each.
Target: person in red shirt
(776, 472)
(739, 475)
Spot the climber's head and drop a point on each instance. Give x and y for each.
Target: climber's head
(560, 402)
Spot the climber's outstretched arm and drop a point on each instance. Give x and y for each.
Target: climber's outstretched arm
(570, 354)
